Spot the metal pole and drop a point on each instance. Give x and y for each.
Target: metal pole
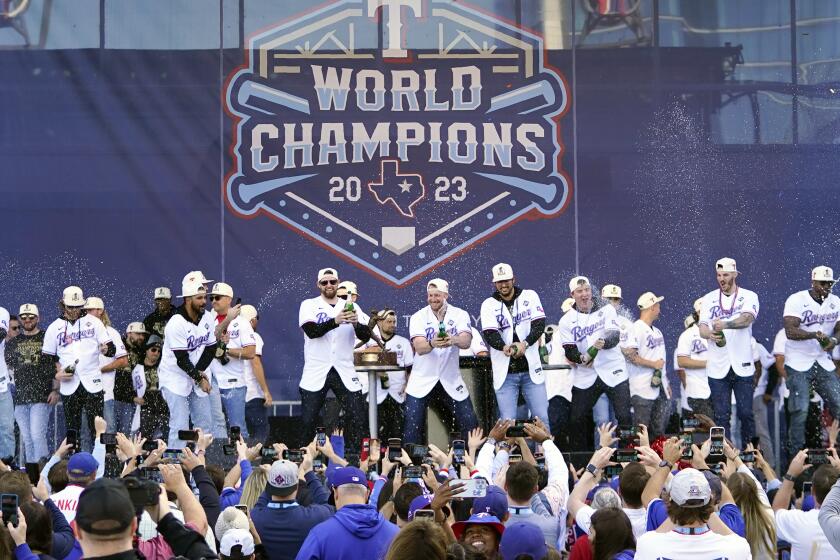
(373, 420)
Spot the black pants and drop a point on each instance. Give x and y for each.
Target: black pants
(583, 400)
(91, 403)
(391, 419)
(352, 403)
(154, 416)
(559, 411)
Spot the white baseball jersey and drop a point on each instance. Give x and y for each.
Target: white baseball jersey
(692, 345)
(779, 343)
(650, 344)
(240, 335)
(558, 382)
(182, 334)
(396, 379)
(624, 324)
(441, 364)
(737, 353)
(253, 391)
(332, 350)
(109, 376)
(801, 354)
(476, 345)
(4, 371)
(583, 329)
(78, 341)
(496, 316)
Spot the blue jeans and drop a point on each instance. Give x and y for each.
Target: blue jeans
(415, 413)
(217, 414)
(825, 383)
(108, 415)
(507, 396)
(722, 390)
(181, 410)
(234, 403)
(32, 419)
(256, 417)
(123, 417)
(7, 425)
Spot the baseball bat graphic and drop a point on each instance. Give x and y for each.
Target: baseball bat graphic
(248, 192)
(263, 98)
(522, 99)
(544, 191)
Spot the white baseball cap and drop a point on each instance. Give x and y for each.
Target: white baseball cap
(195, 276)
(823, 274)
(567, 304)
(502, 272)
(73, 296)
(28, 309)
(190, 288)
(136, 327)
(438, 284)
(94, 303)
(648, 299)
(349, 286)
(222, 289)
(698, 305)
(327, 272)
(577, 281)
(163, 293)
(282, 478)
(690, 489)
(611, 291)
(726, 264)
(237, 537)
(248, 312)
(688, 321)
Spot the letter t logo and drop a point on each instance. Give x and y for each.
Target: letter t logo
(392, 12)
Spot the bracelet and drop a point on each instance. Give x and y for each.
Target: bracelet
(788, 477)
(491, 441)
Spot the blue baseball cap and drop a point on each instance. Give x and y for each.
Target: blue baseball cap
(81, 465)
(478, 519)
(347, 475)
(495, 503)
(420, 502)
(522, 538)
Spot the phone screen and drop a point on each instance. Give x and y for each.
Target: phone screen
(322, 436)
(72, 438)
(9, 507)
(188, 435)
(687, 441)
(459, 448)
(424, 514)
(108, 439)
(716, 444)
(394, 449)
(625, 456)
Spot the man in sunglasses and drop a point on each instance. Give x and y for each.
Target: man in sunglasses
(73, 343)
(331, 326)
(812, 327)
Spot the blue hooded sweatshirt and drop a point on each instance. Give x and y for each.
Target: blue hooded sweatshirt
(355, 531)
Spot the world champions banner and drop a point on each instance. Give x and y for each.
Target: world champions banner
(397, 157)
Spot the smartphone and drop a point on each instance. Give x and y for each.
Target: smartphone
(613, 470)
(142, 492)
(628, 435)
(424, 514)
(689, 423)
(748, 456)
(517, 430)
(716, 468)
(151, 473)
(459, 449)
(33, 471)
(9, 507)
(229, 449)
(295, 456)
(474, 488)
(540, 458)
(150, 445)
(394, 449)
(817, 457)
(365, 449)
(806, 487)
(625, 456)
(412, 472)
(242, 507)
(716, 434)
(72, 439)
(269, 453)
(234, 433)
(687, 441)
(188, 435)
(108, 439)
(172, 456)
(321, 434)
(418, 453)
(514, 458)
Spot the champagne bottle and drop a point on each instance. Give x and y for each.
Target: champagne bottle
(71, 369)
(221, 353)
(825, 341)
(441, 330)
(348, 307)
(543, 354)
(656, 379)
(592, 351)
(722, 342)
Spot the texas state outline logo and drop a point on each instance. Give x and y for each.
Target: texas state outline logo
(396, 133)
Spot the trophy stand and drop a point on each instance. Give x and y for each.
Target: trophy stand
(375, 361)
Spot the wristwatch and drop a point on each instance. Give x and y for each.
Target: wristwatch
(788, 477)
(491, 441)
(590, 468)
(664, 463)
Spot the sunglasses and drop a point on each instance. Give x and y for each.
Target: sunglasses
(14, 328)
(153, 349)
(217, 298)
(328, 282)
(28, 317)
(79, 307)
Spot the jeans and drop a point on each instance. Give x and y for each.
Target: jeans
(825, 383)
(653, 413)
(32, 419)
(507, 396)
(352, 403)
(702, 406)
(583, 400)
(602, 413)
(415, 414)
(256, 418)
(234, 403)
(217, 413)
(761, 413)
(92, 404)
(181, 410)
(722, 390)
(123, 417)
(108, 415)
(7, 425)
(559, 410)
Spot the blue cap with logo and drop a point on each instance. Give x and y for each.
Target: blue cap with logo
(494, 503)
(522, 538)
(347, 475)
(81, 465)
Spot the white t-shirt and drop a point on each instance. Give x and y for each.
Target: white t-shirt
(583, 329)
(558, 382)
(692, 345)
(650, 344)
(654, 545)
(68, 501)
(495, 316)
(441, 364)
(253, 391)
(638, 519)
(737, 353)
(802, 530)
(801, 354)
(182, 334)
(476, 345)
(396, 379)
(766, 359)
(78, 341)
(332, 350)
(240, 335)
(4, 371)
(108, 377)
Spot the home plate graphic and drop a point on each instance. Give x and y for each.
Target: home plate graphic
(400, 155)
